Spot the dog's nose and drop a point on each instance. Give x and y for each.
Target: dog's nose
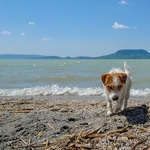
(115, 97)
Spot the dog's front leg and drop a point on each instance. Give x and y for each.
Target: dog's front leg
(124, 104)
(109, 108)
(125, 100)
(118, 106)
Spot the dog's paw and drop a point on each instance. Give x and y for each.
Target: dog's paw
(117, 109)
(123, 109)
(109, 113)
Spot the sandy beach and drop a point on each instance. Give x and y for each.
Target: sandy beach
(72, 124)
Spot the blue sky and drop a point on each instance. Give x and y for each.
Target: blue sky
(73, 27)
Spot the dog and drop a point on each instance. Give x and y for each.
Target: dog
(117, 86)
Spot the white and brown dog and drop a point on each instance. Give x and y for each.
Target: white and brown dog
(117, 86)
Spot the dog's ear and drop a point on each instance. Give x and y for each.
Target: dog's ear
(103, 78)
(122, 77)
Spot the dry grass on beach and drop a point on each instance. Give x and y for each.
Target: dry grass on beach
(71, 124)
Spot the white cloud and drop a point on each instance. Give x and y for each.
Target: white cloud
(86, 47)
(46, 38)
(5, 32)
(22, 33)
(135, 27)
(31, 23)
(119, 26)
(123, 2)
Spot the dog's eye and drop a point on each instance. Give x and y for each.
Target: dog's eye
(110, 87)
(119, 86)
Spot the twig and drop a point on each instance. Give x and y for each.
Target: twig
(119, 130)
(55, 143)
(29, 141)
(112, 145)
(139, 142)
(133, 121)
(47, 142)
(106, 141)
(79, 135)
(139, 127)
(128, 136)
(19, 112)
(110, 132)
(82, 123)
(17, 109)
(83, 146)
(96, 130)
(40, 134)
(72, 144)
(50, 126)
(101, 146)
(23, 141)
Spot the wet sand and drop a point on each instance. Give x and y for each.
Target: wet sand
(27, 123)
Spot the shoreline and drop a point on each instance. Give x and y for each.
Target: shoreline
(73, 97)
(29, 122)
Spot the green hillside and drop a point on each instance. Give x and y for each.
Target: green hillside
(127, 54)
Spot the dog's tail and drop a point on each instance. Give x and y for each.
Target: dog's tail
(127, 69)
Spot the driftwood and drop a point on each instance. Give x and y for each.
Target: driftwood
(96, 130)
(139, 142)
(106, 134)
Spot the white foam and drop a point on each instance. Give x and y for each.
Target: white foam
(140, 92)
(55, 90)
(52, 90)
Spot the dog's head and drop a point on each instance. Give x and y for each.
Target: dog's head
(113, 84)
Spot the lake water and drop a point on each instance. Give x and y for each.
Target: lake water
(61, 77)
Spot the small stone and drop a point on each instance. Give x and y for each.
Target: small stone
(123, 138)
(64, 110)
(72, 119)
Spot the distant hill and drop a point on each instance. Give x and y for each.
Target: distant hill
(120, 54)
(17, 56)
(127, 54)
(49, 57)
(131, 51)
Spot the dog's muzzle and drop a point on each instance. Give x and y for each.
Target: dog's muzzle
(115, 98)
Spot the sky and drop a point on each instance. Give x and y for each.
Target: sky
(73, 27)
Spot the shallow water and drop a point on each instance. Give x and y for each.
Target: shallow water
(66, 77)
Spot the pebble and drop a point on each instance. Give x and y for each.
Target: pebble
(123, 138)
(64, 110)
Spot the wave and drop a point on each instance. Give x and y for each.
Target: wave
(52, 90)
(140, 92)
(55, 90)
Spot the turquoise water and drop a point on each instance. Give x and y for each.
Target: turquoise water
(66, 77)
